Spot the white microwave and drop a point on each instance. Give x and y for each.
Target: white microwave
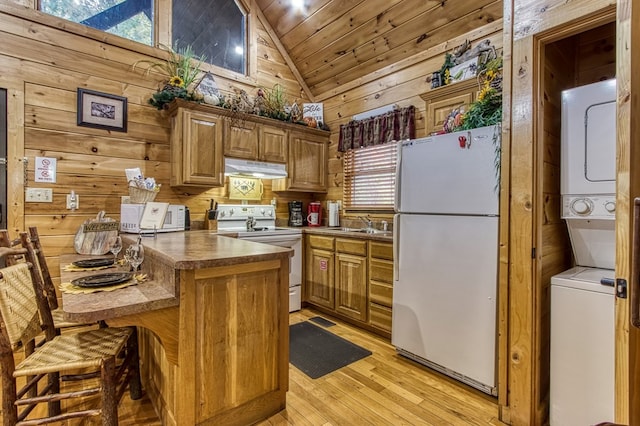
(130, 215)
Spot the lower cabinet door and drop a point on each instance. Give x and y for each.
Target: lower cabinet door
(351, 286)
(319, 274)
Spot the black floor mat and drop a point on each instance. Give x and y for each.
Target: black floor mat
(316, 351)
(322, 321)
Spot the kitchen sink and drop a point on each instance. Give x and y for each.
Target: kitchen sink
(366, 231)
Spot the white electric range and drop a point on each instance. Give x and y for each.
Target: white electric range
(257, 223)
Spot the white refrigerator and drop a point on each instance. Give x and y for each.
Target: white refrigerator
(446, 259)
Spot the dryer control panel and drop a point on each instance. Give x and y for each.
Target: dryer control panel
(589, 207)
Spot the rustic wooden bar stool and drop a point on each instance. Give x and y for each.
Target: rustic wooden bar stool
(24, 314)
(37, 258)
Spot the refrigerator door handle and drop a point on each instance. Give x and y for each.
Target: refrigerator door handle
(396, 197)
(396, 246)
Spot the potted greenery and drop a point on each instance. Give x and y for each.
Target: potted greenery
(181, 68)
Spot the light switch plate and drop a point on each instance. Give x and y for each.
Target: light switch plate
(39, 195)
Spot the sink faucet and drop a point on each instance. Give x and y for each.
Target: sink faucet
(367, 221)
(251, 223)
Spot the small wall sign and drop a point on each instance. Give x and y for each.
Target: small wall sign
(46, 169)
(314, 111)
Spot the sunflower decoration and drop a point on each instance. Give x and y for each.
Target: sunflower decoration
(181, 68)
(176, 81)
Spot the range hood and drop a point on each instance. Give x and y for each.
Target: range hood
(258, 169)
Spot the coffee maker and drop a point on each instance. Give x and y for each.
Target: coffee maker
(295, 213)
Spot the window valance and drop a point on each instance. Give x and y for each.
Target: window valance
(395, 125)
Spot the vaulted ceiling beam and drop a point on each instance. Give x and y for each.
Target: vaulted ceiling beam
(283, 52)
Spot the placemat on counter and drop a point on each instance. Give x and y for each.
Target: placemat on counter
(73, 289)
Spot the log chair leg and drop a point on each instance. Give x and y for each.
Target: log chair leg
(29, 349)
(9, 409)
(54, 383)
(135, 385)
(109, 393)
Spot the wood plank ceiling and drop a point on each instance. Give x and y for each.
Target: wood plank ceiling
(333, 42)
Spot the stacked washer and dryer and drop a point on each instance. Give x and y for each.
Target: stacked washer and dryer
(583, 298)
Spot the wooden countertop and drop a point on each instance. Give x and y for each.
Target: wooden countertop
(206, 249)
(168, 253)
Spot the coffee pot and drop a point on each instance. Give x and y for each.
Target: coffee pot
(295, 213)
(314, 214)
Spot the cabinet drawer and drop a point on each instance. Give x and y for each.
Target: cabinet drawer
(381, 250)
(381, 293)
(320, 242)
(358, 247)
(381, 270)
(380, 316)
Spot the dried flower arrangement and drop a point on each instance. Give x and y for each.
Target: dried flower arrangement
(181, 69)
(486, 110)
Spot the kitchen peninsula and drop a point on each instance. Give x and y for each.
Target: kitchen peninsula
(213, 320)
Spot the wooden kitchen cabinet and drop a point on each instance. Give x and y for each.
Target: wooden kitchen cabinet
(442, 100)
(273, 144)
(196, 148)
(241, 138)
(255, 141)
(380, 262)
(319, 271)
(351, 278)
(307, 162)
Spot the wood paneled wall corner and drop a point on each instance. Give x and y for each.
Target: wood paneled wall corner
(401, 83)
(43, 61)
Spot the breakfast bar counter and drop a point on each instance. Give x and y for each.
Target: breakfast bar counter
(213, 325)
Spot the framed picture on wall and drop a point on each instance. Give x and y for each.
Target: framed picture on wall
(102, 110)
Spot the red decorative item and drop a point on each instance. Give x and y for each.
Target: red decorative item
(463, 141)
(314, 216)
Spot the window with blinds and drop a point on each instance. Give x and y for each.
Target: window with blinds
(370, 177)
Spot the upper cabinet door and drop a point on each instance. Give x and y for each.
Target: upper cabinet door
(273, 144)
(307, 166)
(241, 138)
(196, 149)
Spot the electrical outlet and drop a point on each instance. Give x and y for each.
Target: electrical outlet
(73, 201)
(39, 195)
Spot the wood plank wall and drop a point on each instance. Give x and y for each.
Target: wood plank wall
(91, 161)
(43, 60)
(401, 84)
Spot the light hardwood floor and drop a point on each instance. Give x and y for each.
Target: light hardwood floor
(382, 389)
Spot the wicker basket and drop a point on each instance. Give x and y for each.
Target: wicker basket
(141, 195)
